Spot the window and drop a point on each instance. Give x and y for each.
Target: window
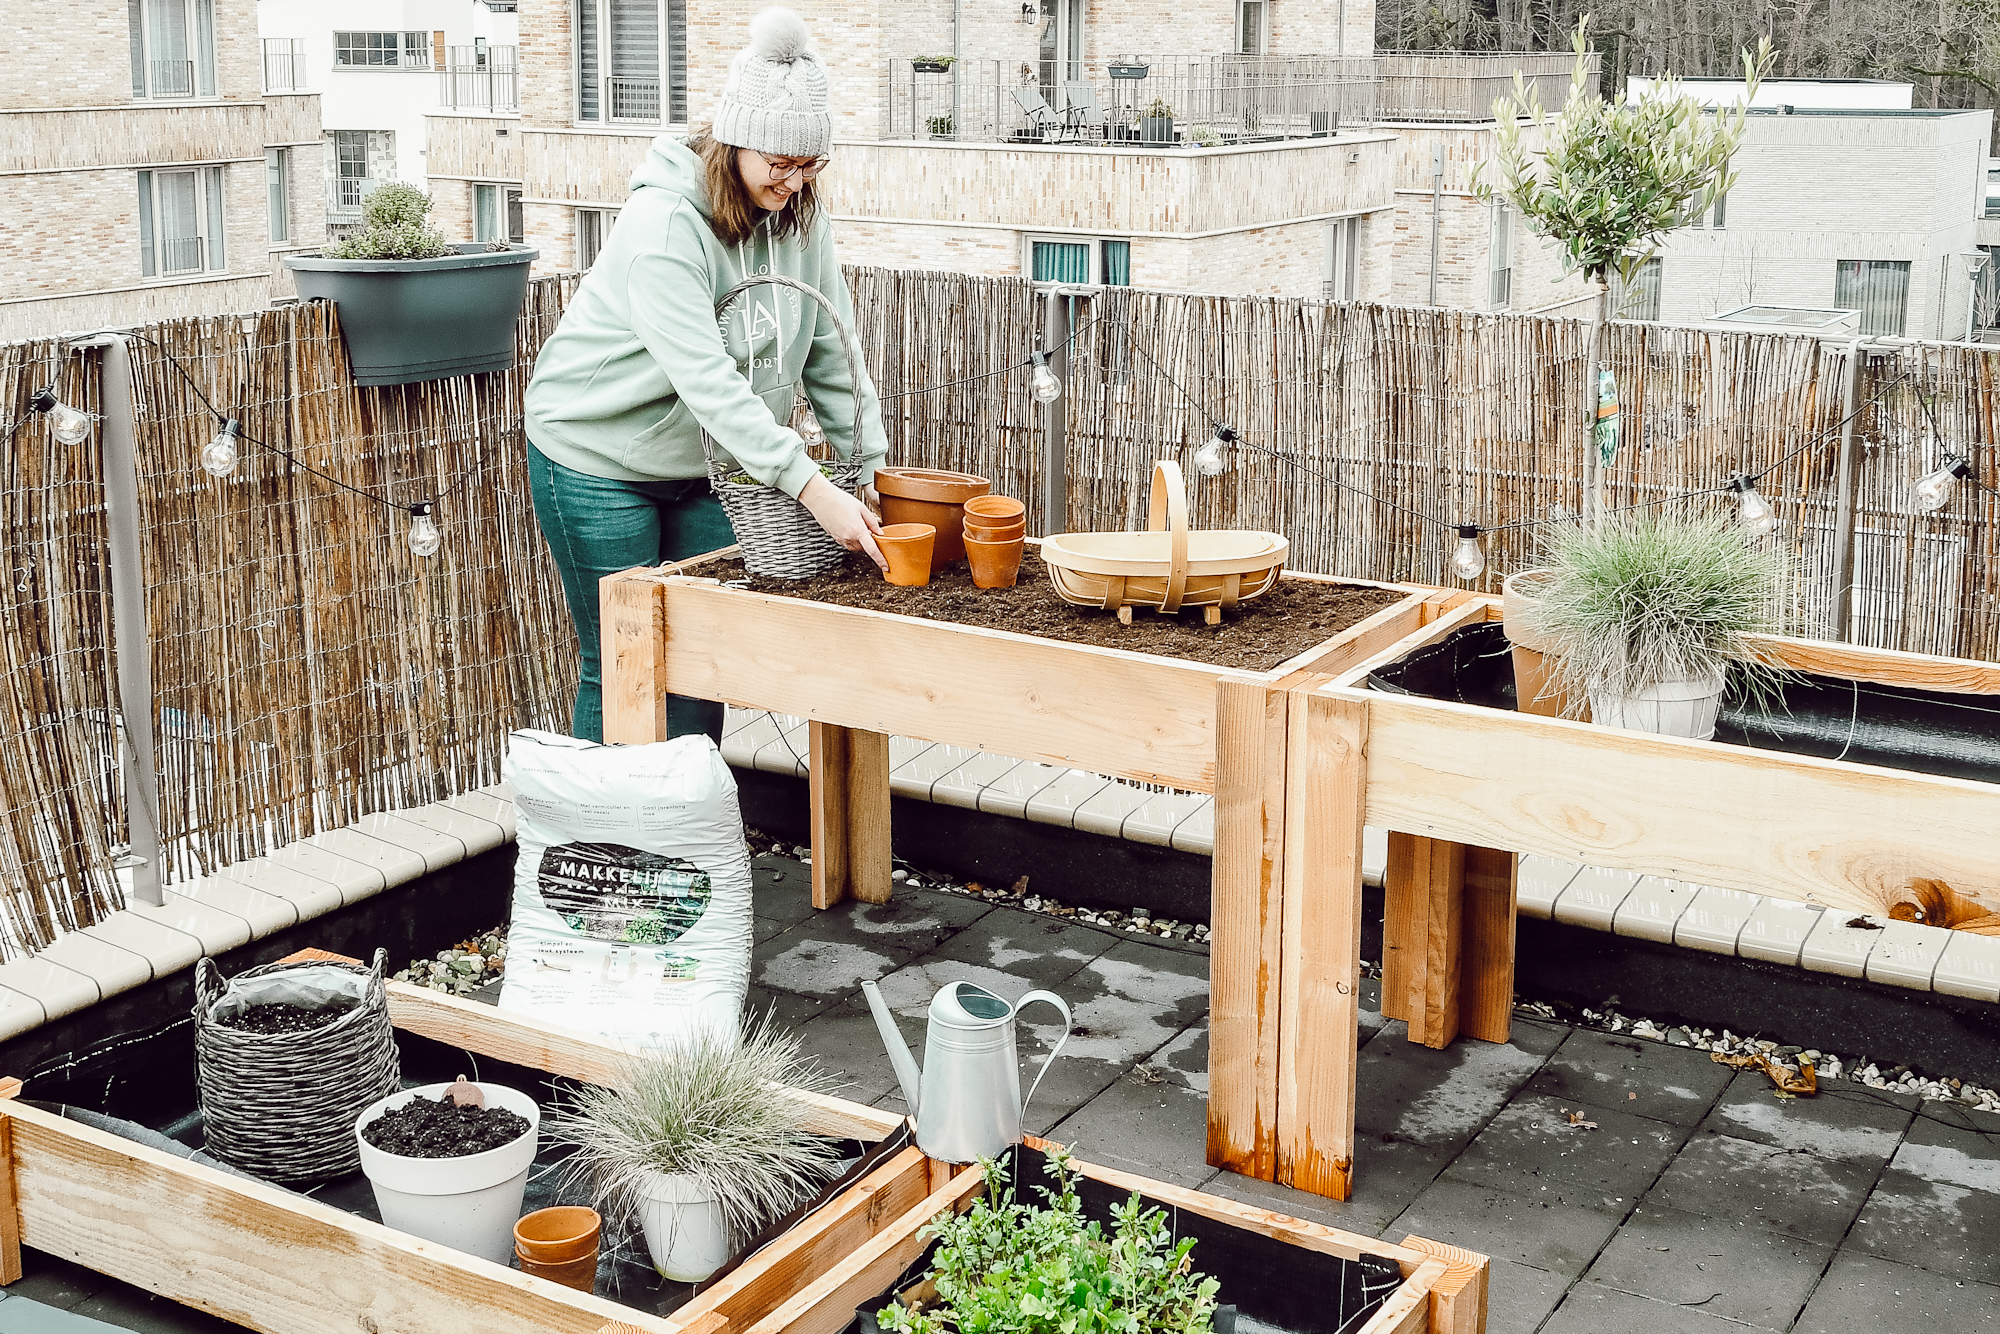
(516, 225)
(180, 222)
(351, 182)
(173, 47)
(1986, 296)
(381, 50)
(1343, 259)
(1721, 211)
(277, 168)
(485, 212)
(1638, 299)
(1059, 49)
(1250, 27)
(622, 47)
(1878, 288)
(593, 228)
(1500, 259)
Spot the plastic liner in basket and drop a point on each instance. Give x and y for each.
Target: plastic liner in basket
(282, 1106)
(779, 536)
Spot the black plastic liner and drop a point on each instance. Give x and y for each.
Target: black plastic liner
(1280, 1286)
(1895, 727)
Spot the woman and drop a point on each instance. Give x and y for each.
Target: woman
(640, 366)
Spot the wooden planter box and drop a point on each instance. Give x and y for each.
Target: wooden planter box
(288, 1264)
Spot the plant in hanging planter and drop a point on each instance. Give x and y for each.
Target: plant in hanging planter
(1647, 616)
(414, 306)
(698, 1144)
(932, 64)
(1006, 1266)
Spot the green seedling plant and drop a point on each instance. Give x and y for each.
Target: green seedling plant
(393, 227)
(1007, 1267)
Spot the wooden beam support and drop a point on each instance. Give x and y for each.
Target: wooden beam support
(1246, 917)
(848, 782)
(632, 611)
(1422, 935)
(1486, 955)
(1319, 969)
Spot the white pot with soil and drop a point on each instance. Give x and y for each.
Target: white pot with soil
(1669, 708)
(443, 1172)
(686, 1233)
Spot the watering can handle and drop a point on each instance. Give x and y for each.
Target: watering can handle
(1055, 1051)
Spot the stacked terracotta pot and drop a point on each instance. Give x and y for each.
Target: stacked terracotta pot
(996, 531)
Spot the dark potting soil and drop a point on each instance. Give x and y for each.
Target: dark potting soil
(278, 1017)
(1257, 636)
(423, 1128)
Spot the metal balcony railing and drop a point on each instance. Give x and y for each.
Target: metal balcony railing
(1451, 87)
(180, 254)
(171, 78)
(349, 193)
(480, 89)
(284, 64)
(634, 99)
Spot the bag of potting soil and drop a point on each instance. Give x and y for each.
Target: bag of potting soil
(631, 890)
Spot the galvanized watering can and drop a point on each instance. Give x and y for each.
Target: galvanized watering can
(968, 1099)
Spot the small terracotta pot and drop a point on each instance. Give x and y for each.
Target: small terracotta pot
(580, 1273)
(932, 496)
(1006, 532)
(994, 564)
(907, 547)
(557, 1236)
(990, 511)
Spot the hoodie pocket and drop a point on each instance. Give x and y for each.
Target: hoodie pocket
(639, 450)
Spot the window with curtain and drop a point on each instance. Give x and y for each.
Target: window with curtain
(631, 61)
(1342, 279)
(593, 228)
(486, 213)
(1116, 270)
(1500, 259)
(277, 171)
(1878, 288)
(181, 222)
(517, 231)
(1060, 262)
(173, 48)
(1250, 27)
(1638, 299)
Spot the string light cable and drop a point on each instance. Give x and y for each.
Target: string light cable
(1037, 359)
(69, 425)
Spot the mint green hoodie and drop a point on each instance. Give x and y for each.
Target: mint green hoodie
(639, 366)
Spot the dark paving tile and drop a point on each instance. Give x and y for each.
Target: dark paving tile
(849, 1046)
(1126, 1004)
(1863, 1292)
(1369, 1016)
(1070, 1084)
(1184, 1061)
(829, 953)
(1437, 1098)
(1735, 1180)
(134, 1309)
(1156, 1130)
(1835, 1124)
(53, 1281)
(781, 890)
(1732, 1269)
(786, 1009)
(1520, 1297)
(1938, 1204)
(1592, 1309)
(1531, 1145)
(1559, 1238)
(1674, 1084)
(1388, 1177)
(1041, 951)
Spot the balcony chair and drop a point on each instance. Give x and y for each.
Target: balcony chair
(1043, 119)
(1085, 117)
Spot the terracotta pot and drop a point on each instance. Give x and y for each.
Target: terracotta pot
(1006, 532)
(932, 496)
(992, 511)
(994, 564)
(908, 547)
(580, 1273)
(557, 1236)
(1536, 686)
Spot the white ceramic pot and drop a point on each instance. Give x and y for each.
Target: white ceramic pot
(1671, 708)
(469, 1203)
(685, 1232)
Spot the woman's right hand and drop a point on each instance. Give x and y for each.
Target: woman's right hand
(846, 520)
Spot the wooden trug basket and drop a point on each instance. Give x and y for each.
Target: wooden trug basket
(1167, 567)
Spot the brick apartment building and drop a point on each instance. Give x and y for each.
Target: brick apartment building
(144, 170)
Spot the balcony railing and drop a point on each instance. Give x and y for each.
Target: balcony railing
(634, 99)
(171, 78)
(284, 64)
(344, 201)
(180, 254)
(474, 89)
(1211, 100)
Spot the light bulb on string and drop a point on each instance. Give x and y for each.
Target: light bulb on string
(424, 536)
(1934, 491)
(70, 426)
(810, 430)
(1752, 510)
(1047, 388)
(1211, 460)
(219, 455)
(1468, 559)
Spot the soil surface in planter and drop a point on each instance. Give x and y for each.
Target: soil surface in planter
(278, 1017)
(1257, 636)
(422, 1128)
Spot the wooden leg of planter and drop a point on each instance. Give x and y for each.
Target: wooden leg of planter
(1486, 964)
(1422, 929)
(632, 612)
(1245, 918)
(1326, 782)
(1458, 1299)
(10, 1205)
(848, 779)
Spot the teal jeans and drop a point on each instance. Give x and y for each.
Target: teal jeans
(597, 526)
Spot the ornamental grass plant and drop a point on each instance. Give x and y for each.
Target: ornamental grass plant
(713, 1107)
(1642, 598)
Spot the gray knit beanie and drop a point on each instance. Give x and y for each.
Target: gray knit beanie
(775, 99)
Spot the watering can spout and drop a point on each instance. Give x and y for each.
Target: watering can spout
(892, 1038)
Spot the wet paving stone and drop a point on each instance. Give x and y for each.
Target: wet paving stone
(1036, 949)
(1394, 1174)
(1559, 1238)
(1531, 1146)
(1733, 1269)
(1864, 1292)
(1158, 1130)
(1519, 1297)
(1840, 1122)
(1792, 1190)
(1591, 1308)
(1938, 1204)
(1632, 1075)
(1436, 1098)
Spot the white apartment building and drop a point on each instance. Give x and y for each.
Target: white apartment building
(380, 67)
(146, 169)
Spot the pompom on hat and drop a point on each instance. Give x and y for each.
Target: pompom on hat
(776, 100)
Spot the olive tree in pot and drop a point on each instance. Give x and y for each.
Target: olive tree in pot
(698, 1145)
(414, 306)
(1645, 616)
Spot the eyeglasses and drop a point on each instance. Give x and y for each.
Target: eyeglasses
(803, 170)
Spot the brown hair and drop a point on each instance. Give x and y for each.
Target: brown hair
(733, 214)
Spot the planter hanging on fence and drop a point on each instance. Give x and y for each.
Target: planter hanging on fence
(281, 1105)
